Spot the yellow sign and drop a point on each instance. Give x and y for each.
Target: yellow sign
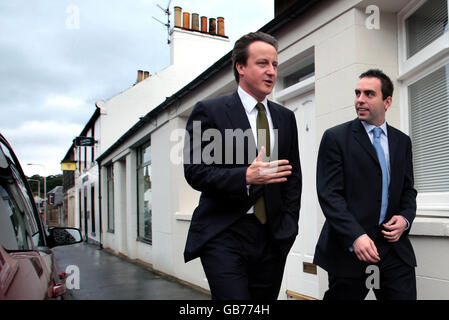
(68, 166)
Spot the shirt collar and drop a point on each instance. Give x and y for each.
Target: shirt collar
(248, 101)
(369, 127)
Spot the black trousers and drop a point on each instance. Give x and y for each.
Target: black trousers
(243, 262)
(397, 280)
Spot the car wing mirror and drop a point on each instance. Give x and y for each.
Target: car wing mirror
(60, 236)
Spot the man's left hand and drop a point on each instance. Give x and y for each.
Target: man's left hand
(395, 226)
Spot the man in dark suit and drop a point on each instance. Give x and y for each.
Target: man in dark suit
(247, 217)
(365, 189)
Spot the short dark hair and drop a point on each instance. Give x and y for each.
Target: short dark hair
(240, 52)
(386, 84)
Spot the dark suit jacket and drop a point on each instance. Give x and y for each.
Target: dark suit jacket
(224, 194)
(349, 186)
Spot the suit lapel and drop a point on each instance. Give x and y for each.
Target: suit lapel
(236, 113)
(276, 119)
(239, 120)
(392, 145)
(362, 138)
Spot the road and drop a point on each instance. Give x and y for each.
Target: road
(105, 276)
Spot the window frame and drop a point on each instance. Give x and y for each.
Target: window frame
(421, 64)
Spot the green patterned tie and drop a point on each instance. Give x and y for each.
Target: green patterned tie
(263, 139)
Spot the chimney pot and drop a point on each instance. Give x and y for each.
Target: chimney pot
(204, 24)
(212, 26)
(178, 17)
(186, 21)
(139, 75)
(221, 26)
(146, 74)
(195, 22)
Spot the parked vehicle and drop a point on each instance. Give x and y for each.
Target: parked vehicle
(27, 262)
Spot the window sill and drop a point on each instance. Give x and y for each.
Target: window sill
(145, 240)
(430, 226)
(296, 89)
(183, 216)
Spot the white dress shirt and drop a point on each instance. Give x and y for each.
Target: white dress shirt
(383, 141)
(249, 103)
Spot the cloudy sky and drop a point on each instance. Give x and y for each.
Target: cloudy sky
(58, 57)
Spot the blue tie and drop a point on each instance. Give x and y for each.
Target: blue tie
(383, 164)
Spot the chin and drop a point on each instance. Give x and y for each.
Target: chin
(362, 117)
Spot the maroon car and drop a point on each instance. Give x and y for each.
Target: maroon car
(27, 264)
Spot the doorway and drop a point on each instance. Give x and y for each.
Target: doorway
(300, 274)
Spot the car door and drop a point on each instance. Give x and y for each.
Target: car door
(24, 274)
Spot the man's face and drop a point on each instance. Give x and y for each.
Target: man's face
(259, 75)
(369, 104)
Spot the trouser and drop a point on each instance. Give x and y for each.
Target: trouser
(243, 262)
(397, 281)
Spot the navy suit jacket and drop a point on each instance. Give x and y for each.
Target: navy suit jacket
(222, 180)
(349, 186)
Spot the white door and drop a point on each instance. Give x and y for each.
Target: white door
(297, 278)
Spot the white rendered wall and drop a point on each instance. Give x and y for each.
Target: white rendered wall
(192, 53)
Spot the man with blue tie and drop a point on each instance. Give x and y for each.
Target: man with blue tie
(365, 189)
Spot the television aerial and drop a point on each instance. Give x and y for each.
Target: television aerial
(167, 25)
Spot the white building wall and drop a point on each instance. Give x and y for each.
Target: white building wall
(84, 180)
(192, 53)
(163, 201)
(131, 209)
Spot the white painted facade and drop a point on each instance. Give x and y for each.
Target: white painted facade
(85, 194)
(335, 37)
(191, 53)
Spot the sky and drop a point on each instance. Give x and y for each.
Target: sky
(58, 57)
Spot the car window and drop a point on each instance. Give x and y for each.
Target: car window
(15, 228)
(18, 227)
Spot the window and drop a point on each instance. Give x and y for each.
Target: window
(80, 203)
(17, 224)
(92, 209)
(144, 216)
(110, 196)
(429, 129)
(425, 25)
(296, 76)
(19, 228)
(424, 79)
(299, 70)
(302, 74)
(92, 149)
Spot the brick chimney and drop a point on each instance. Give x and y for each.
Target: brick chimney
(142, 75)
(191, 22)
(195, 42)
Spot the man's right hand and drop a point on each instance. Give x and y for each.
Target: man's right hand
(366, 250)
(260, 172)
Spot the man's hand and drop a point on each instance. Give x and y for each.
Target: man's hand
(260, 172)
(395, 227)
(366, 250)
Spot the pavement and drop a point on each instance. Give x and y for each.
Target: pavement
(105, 276)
